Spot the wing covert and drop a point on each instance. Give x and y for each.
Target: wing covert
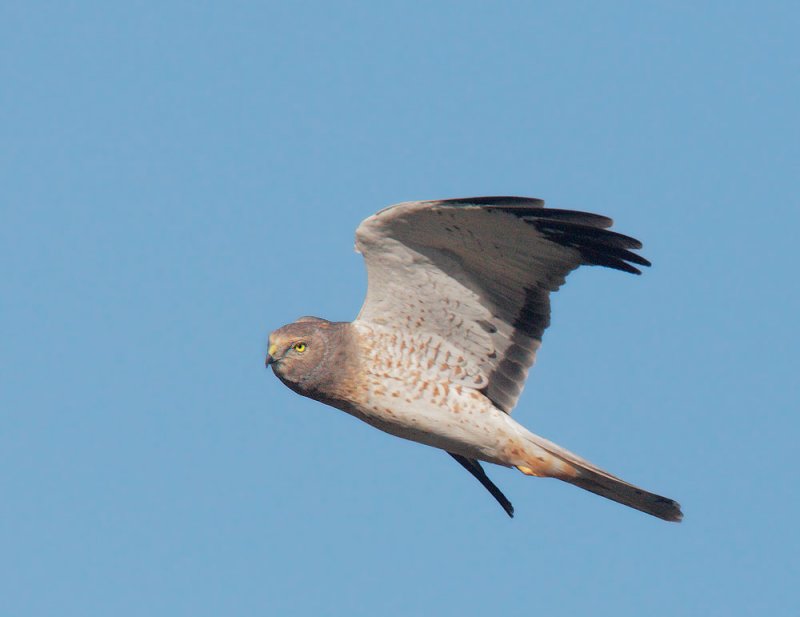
(477, 273)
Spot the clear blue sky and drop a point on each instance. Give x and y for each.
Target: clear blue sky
(177, 179)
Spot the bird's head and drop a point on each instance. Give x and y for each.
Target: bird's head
(302, 353)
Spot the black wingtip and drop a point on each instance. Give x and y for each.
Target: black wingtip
(597, 247)
(586, 232)
(475, 468)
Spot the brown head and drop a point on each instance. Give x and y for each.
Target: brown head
(313, 356)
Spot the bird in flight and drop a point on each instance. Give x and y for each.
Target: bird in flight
(458, 298)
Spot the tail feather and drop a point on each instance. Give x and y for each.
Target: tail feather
(613, 488)
(572, 468)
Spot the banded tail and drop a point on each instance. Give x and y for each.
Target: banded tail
(569, 467)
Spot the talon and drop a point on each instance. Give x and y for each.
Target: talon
(527, 470)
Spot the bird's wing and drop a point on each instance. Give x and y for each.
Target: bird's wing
(477, 273)
(476, 469)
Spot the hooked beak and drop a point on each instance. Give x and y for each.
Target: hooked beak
(271, 355)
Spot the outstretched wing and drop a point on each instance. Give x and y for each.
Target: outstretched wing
(477, 273)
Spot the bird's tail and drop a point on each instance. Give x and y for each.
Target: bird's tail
(551, 460)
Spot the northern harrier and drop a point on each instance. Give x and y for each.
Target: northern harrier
(457, 302)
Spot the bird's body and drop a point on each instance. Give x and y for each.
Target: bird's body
(414, 388)
(457, 302)
(422, 392)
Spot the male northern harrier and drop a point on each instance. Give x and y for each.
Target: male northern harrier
(457, 301)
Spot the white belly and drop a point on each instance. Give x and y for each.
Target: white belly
(420, 388)
(461, 420)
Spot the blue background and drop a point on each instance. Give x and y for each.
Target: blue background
(178, 179)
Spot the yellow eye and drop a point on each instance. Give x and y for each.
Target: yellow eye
(299, 347)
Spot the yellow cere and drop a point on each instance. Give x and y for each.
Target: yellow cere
(272, 349)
